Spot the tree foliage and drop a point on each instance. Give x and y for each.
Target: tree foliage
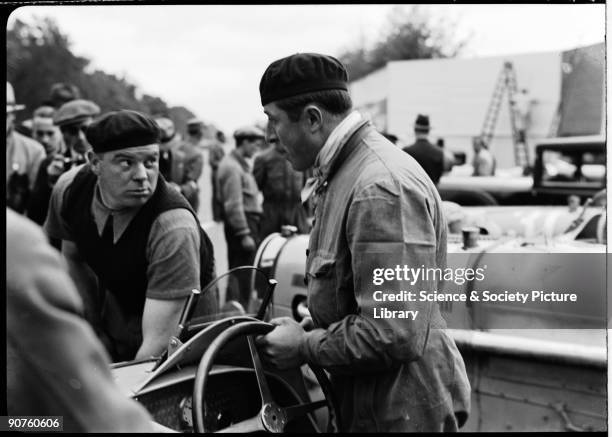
(407, 34)
(39, 55)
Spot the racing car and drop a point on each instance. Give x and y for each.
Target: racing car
(211, 378)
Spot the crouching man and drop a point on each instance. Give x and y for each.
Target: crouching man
(134, 245)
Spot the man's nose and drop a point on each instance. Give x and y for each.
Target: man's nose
(140, 172)
(271, 137)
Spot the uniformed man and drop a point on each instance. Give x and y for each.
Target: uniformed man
(122, 225)
(375, 208)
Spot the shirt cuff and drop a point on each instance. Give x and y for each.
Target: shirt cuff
(310, 345)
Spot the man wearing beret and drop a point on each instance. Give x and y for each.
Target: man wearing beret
(123, 226)
(241, 208)
(375, 208)
(72, 118)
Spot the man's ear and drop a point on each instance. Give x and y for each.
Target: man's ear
(313, 117)
(94, 159)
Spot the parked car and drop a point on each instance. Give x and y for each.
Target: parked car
(562, 167)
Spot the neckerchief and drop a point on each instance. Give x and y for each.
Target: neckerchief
(329, 152)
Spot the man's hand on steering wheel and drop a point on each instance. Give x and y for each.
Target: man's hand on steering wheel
(283, 346)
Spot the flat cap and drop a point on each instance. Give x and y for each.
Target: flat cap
(301, 73)
(75, 111)
(248, 132)
(121, 130)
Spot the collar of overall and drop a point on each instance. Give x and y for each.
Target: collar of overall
(328, 160)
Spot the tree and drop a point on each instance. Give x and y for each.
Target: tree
(39, 55)
(409, 34)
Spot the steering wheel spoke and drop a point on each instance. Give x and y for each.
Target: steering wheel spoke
(264, 390)
(303, 409)
(253, 424)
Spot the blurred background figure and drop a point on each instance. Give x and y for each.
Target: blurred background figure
(281, 186)
(180, 163)
(25, 128)
(194, 166)
(238, 193)
(483, 161)
(449, 158)
(216, 154)
(430, 157)
(23, 158)
(171, 159)
(62, 93)
(522, 103)
(390, 137)
(72, 119)
(46, 133)
(195, 132)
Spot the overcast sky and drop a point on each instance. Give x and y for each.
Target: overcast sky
(211, 58)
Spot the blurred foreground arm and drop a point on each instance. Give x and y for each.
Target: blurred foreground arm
(55, 364)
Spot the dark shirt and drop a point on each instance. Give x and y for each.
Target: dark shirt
(110, 260)
(430, 157)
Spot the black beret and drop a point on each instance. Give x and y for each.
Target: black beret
(301, 73)
(121, 130)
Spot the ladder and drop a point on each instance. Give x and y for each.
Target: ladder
(505, 80)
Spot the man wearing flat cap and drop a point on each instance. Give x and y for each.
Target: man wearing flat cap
(122, 224)
(23, 158)
(241, 209)
(429, 156)
(72, 119)
(375, 208)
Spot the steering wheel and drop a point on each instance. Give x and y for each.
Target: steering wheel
(271, 416)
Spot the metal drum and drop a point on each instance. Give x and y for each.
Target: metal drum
(283, 257)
